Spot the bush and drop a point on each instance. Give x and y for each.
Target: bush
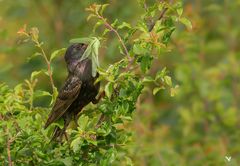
(103, 135)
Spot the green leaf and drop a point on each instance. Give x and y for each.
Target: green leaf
(186, 22)
(167, 35)
(114, 24)
(145, 63)
(179, 8)
(92, 141)
(100, 22)
(54, 95)
(34, 74)
(59, 123)
(180, 11)
(57, 53)
(109, 89)
(45, 72)
(138, 49)
(100, 78)
(161, 74)
(103, 7)
(168, 80)
(67, 161)
(128, 118)
(142, 3)
(96, 46)
(33, 56)
(34, 33)
(124, 25)
(148, 79)
(76, 144)
(90, 16)
(40, 93)
(142, 27)
(129, 161)
(83, 122)
(168, 22)
(157, 89)
(174, 91)
(105, 32)
(81, 40)
(91, 51)
(87, 52)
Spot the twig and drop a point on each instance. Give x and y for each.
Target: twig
(151, 26)
(8, 147)
(34, 37)
(48, 65)
(117, 34)
(130, 59)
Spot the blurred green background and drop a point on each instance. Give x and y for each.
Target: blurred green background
(199, 126)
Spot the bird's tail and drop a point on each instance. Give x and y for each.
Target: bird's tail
(59, 133)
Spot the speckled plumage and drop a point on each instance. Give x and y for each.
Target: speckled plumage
(78, 90)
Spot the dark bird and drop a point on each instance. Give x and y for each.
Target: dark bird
(78, 90)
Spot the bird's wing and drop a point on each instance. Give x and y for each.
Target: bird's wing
(66, 97)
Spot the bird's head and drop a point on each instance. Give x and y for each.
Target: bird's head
(75, 52)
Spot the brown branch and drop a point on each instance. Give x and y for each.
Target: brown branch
(117, 34)
(151, 26)
(9, 152)
(9, 141)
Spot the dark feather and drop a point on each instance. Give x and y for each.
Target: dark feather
(65, 98)
(78, 91)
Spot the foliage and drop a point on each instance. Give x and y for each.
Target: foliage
(138, 122)
(102, 135)
(200, 125)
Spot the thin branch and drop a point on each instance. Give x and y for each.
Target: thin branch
(48, 65)
(117, 34)
(9, 141)
(151, 26)
(33, 34)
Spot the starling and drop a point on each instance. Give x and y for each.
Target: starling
(78, 90)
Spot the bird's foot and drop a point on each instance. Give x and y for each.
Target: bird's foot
(102, 94)
(76, 120)
(101, 119)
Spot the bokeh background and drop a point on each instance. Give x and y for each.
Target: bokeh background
(200, 125)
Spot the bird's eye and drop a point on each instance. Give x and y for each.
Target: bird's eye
(79, 46)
